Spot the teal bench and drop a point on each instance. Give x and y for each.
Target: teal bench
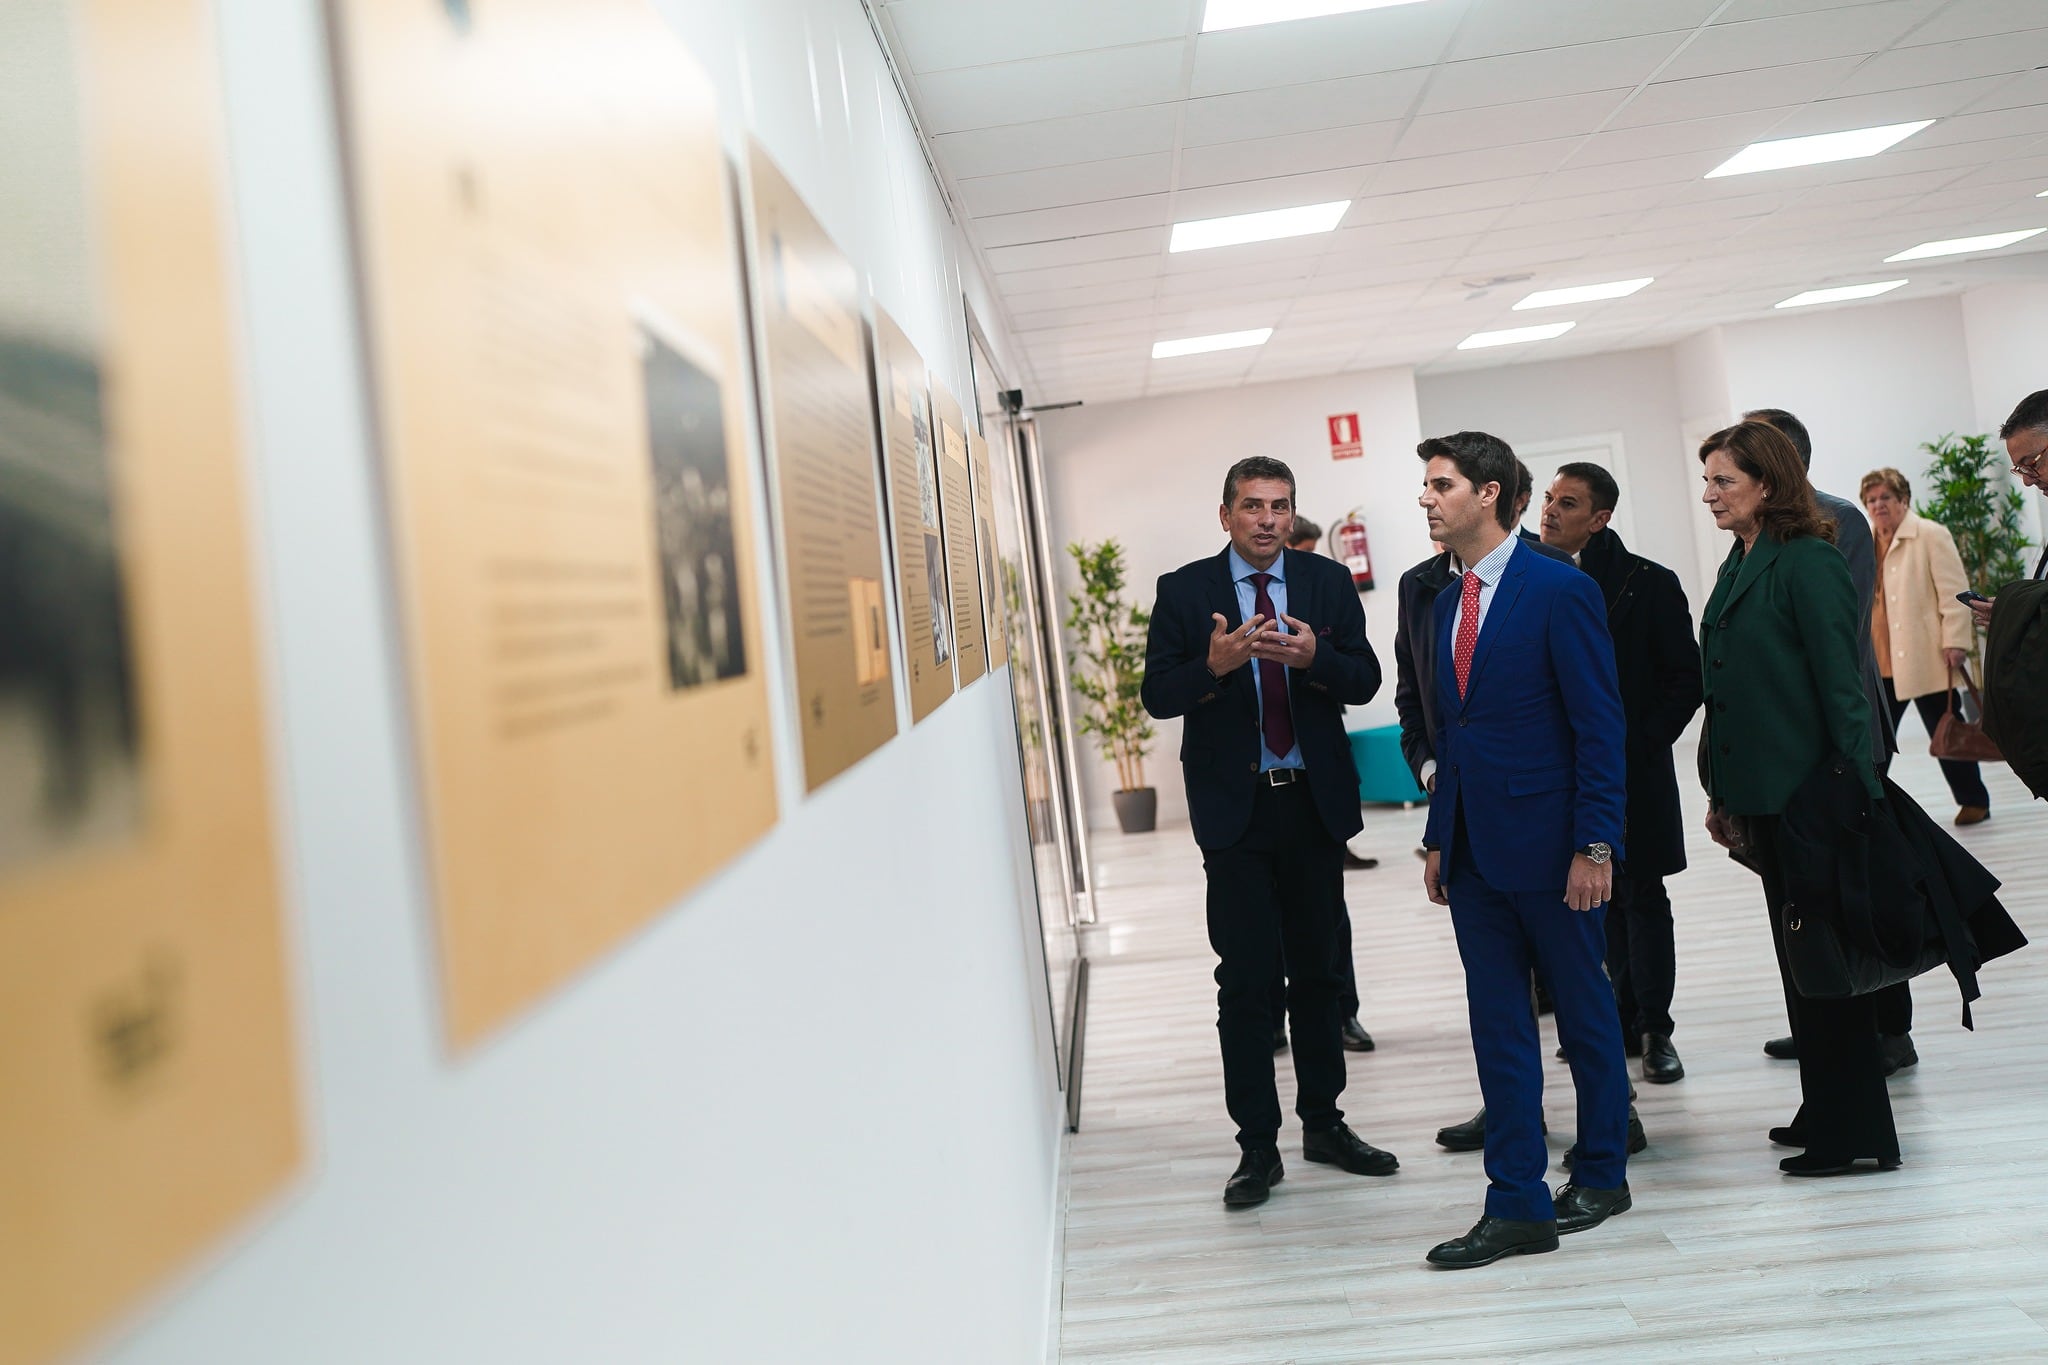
(1383, 775)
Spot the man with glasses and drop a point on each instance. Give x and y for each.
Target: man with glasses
(2025, 434)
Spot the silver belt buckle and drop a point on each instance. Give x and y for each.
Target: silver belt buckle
(1281, 777)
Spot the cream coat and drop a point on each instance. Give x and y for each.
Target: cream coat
(1922, 575)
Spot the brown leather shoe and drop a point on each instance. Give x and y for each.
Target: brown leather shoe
(1973, 815)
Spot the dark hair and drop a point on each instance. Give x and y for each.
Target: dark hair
(2030, 415)
(1802, 443)
(1481, 459)
(1255, 467)
(1606, 492)
(1765, 452)
(1525, 483)
(1304, 529)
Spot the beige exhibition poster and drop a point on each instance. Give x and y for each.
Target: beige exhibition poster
(553, 294)
(993, 616)
(147, 1091)
(962, 564)
(912, 462)
(819, 425)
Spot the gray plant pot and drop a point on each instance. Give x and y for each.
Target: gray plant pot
(1137, 812)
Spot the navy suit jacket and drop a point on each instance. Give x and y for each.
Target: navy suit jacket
(1535, 751)
(1219, 745)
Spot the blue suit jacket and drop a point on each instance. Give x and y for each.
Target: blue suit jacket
(1219, 745)
(1536, 749)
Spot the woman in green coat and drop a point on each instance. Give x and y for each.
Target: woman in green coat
(1779, 650)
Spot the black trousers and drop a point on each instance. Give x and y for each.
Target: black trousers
(1642, 958)
(1965, 780)
(1844, 1106)
(1279, 889)
(1347, 997)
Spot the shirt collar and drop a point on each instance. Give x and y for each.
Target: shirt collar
(1495, 564)
(1240, 570)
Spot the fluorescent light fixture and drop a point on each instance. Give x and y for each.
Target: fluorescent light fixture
(1221, 341)
(1813, 151)
(1514, 335)
(1841, 295)
(1269, 226)
(1584, 293)
(1957, 246)
(1222, 14)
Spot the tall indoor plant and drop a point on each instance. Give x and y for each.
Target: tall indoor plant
(1980, 511)
(1109, 639)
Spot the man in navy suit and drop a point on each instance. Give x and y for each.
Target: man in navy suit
(1260, 648)
(1524, 824)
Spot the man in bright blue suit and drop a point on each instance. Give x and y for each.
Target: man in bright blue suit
(1524, 824)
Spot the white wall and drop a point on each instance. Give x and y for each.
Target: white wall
(1149, 474)
(1871, 383)
(1634, 393)
(808, 1114)
(2006, 326)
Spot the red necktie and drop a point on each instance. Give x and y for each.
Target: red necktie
(1468, 631)
(1275, 722)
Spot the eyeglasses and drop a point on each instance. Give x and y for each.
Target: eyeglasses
(2028, 464)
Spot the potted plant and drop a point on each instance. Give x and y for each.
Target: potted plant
(1110, 651)
(1984, 516)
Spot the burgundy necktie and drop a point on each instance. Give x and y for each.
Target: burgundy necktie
(1468, 631)
(1275, 722)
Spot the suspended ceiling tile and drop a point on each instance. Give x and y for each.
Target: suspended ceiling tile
(1079, 220)
(1050, 87)
(1496, 125)
(1058, 142)
(1734, 93)
(1284, 109)
(1077, 250)
(1296, 153)
(1978, 19)
(1059, 186)
(1467, 168)
(1503, 26)
(1257, 196)
(941, 35)
(1790, 38)
(1547, 73)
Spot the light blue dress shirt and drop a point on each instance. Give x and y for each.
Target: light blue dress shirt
(1489, 570)
(1247, 606)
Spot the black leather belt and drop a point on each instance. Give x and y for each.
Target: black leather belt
(1281, 777)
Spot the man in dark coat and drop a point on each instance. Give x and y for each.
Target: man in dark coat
(1259, 648)
(1658, 664)
(1853, 538)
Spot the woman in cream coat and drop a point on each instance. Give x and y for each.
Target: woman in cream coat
(1922, 634)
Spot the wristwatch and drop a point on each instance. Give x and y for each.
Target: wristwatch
(1599, 853)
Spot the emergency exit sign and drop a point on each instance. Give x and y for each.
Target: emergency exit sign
(1344, 442)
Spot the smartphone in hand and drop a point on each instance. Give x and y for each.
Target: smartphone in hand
(1970, 595)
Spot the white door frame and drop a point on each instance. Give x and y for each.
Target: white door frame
(1602, 448)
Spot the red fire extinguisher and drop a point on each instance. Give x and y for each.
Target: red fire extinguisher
(1348, 543)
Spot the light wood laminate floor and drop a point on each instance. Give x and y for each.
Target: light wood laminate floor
(1722, 1257)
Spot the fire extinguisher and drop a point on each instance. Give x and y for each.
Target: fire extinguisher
(1348, 543)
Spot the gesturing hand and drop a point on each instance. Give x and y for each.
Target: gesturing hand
(1229, 649)
(1590, 883)
(1296, 649)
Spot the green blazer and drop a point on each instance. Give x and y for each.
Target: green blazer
(1779, 656)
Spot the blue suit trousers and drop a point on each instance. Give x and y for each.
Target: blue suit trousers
(1501, 936)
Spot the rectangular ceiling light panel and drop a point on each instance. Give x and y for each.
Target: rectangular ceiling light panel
(1958, 246)
(1515, 335)
(1841, 295)
(1584, 293)
(1269, 226)
(1815, 150)
(1221, 341)
(1221, 14)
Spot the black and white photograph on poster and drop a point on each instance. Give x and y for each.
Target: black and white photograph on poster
(693, 529)
(934, 544)
(70, 750)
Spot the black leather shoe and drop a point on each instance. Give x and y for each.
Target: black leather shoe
(1895, 1052)
(1352, 860)
(1343, 1148)
(1354, 1036)
(1638, 1140)
(1822, 1163)
(1468, 1136)
(1256, 1175)
(1791, 1135)
(1579, 1208)
(1784, 1049)
(1492, 1238)
(1660, 1060)
(1279, 1041)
